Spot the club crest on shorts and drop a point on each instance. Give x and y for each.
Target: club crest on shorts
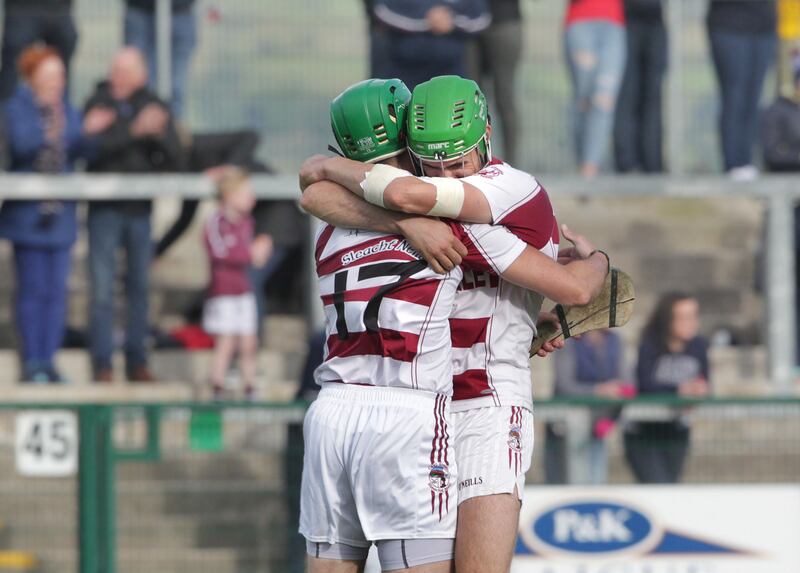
(439, 477)
(515, 438)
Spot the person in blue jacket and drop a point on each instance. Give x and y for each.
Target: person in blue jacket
(45, 135)
(428, 38)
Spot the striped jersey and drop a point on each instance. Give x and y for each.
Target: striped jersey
(493, 321)
(386, 311)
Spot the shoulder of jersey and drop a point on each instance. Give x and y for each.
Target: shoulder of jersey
(497, 167)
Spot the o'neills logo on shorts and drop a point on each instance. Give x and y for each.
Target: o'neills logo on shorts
(381, 247)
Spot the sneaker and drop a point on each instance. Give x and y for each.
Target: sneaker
(54, 376)
(104, 376)
(33, 373)
(40, 377)
(141, 375)
(743, 174)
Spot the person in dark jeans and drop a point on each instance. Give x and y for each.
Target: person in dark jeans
(497, 54)
(673, 360)
(142, 139)
(428, 38)
(638, 131)
(45, 135)
(28, 21)
(743, 43)
(140, 32)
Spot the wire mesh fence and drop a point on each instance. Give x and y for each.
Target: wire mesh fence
(274, 66)
(214, 488)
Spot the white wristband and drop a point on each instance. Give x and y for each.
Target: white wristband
(449, 197)
(377, 180)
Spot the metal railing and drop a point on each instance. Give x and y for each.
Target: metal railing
(778, 193)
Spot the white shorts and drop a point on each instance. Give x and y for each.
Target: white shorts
(235, 314)
(379, 464)
(494, 447)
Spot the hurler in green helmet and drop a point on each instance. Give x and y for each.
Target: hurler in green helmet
(448, 119)
(368, 120)
(494, 317)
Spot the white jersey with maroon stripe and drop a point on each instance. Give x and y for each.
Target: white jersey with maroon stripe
(494, 321)
(386, 311)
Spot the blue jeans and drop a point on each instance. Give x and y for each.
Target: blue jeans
(41, 303)
(109, 229)
(596, 54)
(140, 31)
(741, 62)
(259, 277)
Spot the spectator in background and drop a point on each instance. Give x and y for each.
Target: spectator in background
(497, 54)
(230, 310)
(26, 22)
(780, 142)
(780, 133)
(589, 366)
(378, 44)
(140, 32)
(637, 130)
(428, 38)
(673, 361)
(212, 154)
(789, 45)
(742, 35)
(596, 46)
(279, 229)
(45, 135)
(141, 139)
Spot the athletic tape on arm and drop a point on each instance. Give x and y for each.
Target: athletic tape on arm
(449, 197)
(377, 180)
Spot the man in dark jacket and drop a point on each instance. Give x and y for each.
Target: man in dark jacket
(28, 21)
(428, 38)
(497, 53)
(780, 133)
(142, 139)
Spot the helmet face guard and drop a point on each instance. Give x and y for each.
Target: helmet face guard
(447, 120)
(368, 119)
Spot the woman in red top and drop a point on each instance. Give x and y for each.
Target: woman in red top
(596, 52)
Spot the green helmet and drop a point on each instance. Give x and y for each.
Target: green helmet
(448, 119)
(368, 119)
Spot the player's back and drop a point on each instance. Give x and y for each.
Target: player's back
(386, 312)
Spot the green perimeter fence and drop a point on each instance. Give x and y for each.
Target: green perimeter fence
(102, 488)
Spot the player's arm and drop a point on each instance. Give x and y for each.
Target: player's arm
(398, 190)
(338, 207)
(576, 282)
